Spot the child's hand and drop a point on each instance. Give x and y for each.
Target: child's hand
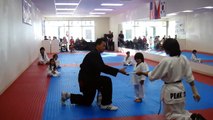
(196, 97)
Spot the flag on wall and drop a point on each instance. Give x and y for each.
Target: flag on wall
(162, 8)
(157, 9)
(151, 16)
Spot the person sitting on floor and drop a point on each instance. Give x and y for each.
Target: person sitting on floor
(57, 62)
(52, 71)
(127, 59)
(194, 57)
(43, 58)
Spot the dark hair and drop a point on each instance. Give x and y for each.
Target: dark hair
(172, 47)
(139, 55)
(54, 55)
(194, 51)
(42, 54)
(127, 52)
(50, 65)
(99, 41)
(42, 48)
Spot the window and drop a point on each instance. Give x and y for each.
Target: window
(76, 29)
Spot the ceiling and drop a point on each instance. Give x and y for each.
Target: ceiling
(48, 7)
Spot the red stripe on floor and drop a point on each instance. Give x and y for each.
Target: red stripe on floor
(25, 98)
(208, 114)
(145, 117)
(207, 60)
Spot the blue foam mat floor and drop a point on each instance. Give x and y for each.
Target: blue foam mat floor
(123, 94)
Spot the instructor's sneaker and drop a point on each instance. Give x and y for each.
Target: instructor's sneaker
(64, 97)
(109, 107)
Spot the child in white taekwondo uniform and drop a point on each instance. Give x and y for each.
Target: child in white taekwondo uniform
(172, 70)
(127, 60)
(194, 57)
(43, 58)
(138, 80)
(57, 62)
(52, 71)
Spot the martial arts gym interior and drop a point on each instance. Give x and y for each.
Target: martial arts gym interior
(32, 88)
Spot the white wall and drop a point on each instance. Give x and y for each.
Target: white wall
(173, 6)
(198, 27)
(101, 24)
(19, 42)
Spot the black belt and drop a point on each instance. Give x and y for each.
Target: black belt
(173, 82)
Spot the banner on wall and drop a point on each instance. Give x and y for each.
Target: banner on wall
(27, 12)
(157, 9)
(180, 29)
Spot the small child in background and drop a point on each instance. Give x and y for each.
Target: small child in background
(127, 59)
(43, 58)
(138, 80)
(57, 62)
(52, 71)
(194, 57)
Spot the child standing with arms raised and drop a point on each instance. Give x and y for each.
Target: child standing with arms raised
(138, 80)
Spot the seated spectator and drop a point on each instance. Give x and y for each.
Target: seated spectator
(71, 46)
(54, 38)
(57, 62)
(43, 58)
(194, 57)
(52, 71)
(64, 45)
(45, 38)
(127, 59)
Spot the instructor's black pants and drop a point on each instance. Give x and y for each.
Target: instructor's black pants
(103, 84)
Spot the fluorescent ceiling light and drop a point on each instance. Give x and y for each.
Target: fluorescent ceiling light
(171, 14)
(111, 4)
(97, 13)
(66, 3)
(100, 9)
(64, 9)
(64, 13)
(208, 7)
(188, 11)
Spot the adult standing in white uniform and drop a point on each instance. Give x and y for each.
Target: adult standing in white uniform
(172, 70)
